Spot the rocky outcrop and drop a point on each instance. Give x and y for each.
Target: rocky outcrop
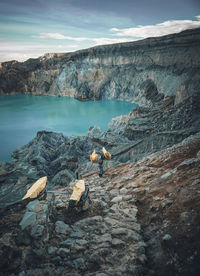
(142, 219)
(142, 71)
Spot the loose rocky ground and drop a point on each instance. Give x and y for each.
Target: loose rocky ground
(142, 219)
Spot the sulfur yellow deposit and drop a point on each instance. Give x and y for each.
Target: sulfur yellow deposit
(106, 154)
(36, 188)
(93, 156)
(78, 190)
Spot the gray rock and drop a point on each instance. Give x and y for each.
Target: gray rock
(56, 260)
(168, 174)
(23, 238)
(82, 242)
(31, 205)
(95, 132)
(90, 221)
(63, 252)
(117, 199)
(104, 238)
(28, 219)
(127, 197)
(95, 259)
(61, 227)
(167, 237)
(79, 234)
(111, 222)
(188, 163)
(166, 202)
(102, 244)
(37, 231)
(68, 243)
(79, 263)
(114, 208)
(130, 212)
(63, 178)
(119, 231)
(123, 191)
(117, 243)
(114, 192)
(34, 256)
(52, 250)
(105, 251)
(22, 273)
(142, 244)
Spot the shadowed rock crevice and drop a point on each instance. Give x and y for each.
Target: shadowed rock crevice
(150, 91)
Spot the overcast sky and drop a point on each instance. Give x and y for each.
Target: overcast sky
(31, 28)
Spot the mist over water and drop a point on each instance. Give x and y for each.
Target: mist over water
(22, 116)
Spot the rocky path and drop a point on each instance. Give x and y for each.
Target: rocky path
(142, 219)
(105, 239)
(102, 238)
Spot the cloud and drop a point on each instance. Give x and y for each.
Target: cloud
(59, 36)
(20, 51)
(11, 50)
(130, 34)
(167, 27)
(103, 40)
(97, 41)
(23, 51)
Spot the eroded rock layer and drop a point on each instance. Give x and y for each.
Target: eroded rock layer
(141, 71)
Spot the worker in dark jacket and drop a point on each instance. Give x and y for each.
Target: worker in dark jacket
(98, 158)
(100, 162)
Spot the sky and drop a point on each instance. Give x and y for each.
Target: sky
(32, 28)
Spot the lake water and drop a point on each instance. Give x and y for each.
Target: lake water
(21, 116)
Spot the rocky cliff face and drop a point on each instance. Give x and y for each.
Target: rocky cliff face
(137, 71)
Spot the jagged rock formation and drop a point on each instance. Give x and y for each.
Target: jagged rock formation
(139, 71)
(143, 219)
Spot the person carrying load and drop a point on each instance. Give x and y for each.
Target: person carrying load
(99, 158)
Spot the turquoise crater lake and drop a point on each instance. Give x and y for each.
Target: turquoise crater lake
(21, 116)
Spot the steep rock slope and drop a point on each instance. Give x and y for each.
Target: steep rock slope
(143, 219)
(135, 71)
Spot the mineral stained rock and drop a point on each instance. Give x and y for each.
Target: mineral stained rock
(140, 71)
